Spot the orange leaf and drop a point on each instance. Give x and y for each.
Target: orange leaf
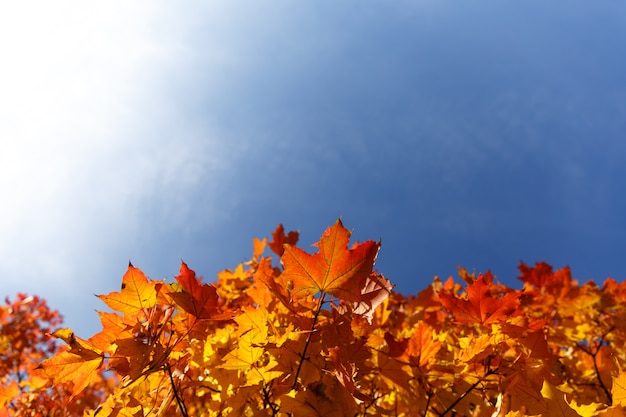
(335, 269)
(419, 349)
(69, 367)
(200, 300)
(7, 393)
(480, 306)
(137, 294)
(258, 246)
(422, 346)
(78, 365)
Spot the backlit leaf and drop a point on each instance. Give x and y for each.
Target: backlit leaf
(137, 294)
(196, 298)
(618, 390)
(480, 306)
(80, 368)
(279, 240)
(555, 402)
(335, 269)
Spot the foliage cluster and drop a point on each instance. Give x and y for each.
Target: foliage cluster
(324, 334)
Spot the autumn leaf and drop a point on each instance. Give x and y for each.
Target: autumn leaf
(196, 298)
(396, 347)
(113, 328)
(420, 349)
(137, 294)
(335, 269)
(585, 410)
(618, 390)
(327, 398)
(7, 393)
(555, 402)
(480, 306)
(258, 247)
(374, 292)
(279, 240)
(267, 275)
(79, 365)
(77, 345)
(252, 334)
(542, 276)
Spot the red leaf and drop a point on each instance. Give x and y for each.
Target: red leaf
(480, 306)
(542, 276)
(279, 240)
(196, 298)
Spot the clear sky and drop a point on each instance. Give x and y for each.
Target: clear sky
(473, 133)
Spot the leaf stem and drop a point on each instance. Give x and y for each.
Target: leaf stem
(308, 340)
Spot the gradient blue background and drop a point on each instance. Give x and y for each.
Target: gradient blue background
(473, 134)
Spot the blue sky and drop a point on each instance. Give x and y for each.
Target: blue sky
(459, 133)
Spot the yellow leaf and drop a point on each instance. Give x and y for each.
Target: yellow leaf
(555, 402)
(250, 355)
(585, 410)
(618, 391)
(137, 295)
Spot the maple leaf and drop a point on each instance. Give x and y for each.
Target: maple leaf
(327, 398)
(137, 294)
(480, 306)
(396, 347)
(258, 246)
(113, 328)
(249, 355)
(335, 269)
(555, 402)
(279, 240)
(135, 358)
(585, 410)
(542, 276)
(269, 277)
(196, 298)
(419, 349)
(79, 365)
(376, 289)
(618, 390)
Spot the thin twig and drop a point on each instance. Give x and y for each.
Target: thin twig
(594, 355)
(179, 401)
(470, 389)
(308, 340)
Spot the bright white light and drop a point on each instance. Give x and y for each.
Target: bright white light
(78, 148)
